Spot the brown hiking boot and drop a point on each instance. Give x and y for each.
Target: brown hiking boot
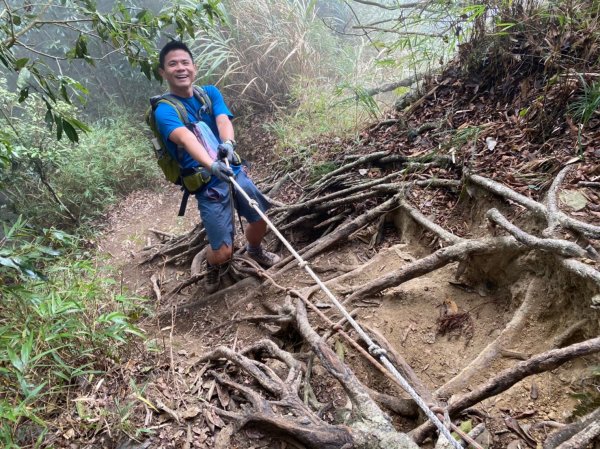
(264, 258)
(212, 278)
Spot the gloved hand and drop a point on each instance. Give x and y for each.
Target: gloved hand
(220, 170)
(226, 151)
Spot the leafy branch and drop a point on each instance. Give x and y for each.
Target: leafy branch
(130, 31)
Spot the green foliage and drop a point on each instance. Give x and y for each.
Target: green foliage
(417, 39)
(263, 46)
(586, 106)
(321, 169)
(360, 96)
(58, 183)
(110, 162)
(23, 261)
(59, 323)
(126, 29)
(465, 135)
(316, 111)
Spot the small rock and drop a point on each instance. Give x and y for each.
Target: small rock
(430, 338)
(485, 438)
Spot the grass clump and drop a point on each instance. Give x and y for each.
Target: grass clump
(317, 111)
(261, 48)
(586, 105)
(60, 327)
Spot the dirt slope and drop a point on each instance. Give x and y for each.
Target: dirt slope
(408, 316)
(457, 326)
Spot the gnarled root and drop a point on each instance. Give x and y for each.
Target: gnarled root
(369, 428)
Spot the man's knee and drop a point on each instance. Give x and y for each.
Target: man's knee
(260, 223)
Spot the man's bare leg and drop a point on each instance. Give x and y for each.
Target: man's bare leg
(255, 232)
(219, 256)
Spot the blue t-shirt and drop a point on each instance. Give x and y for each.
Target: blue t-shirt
(167, 120)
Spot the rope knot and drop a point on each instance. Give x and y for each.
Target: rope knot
(302, 264)
(377, 351)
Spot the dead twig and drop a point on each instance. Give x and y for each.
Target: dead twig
(162, 233)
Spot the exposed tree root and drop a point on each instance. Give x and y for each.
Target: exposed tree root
(285, 403)
(552, 203)
(178, 250)
(370, 428)
(492, 351)
(340, 233)
(300, 421)
(436, 260)
(198, 302)
(539, 209)
(561, 339)
(561, 247)
(503, 381)
(576, 435)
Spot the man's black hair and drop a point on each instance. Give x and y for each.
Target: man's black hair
(170, 46)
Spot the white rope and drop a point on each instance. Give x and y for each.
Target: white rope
(374, 349)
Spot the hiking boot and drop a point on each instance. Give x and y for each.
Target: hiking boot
(264, 258)
(212, 278)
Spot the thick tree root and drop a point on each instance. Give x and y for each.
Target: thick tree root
(539, 209)
(540, 363)
(370, 428)
(436, 260)
(576, 435)
(493, 350)
(300, 422)
(180, 249)
(339, 234)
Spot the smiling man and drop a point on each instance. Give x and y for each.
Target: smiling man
(209, 121)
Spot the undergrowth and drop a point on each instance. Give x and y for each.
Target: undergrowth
(262, 47)
(541, 57)
(61, 326)
(585, 107)
(75, 186)
(316, 112)
(53, 182)
(109, 163)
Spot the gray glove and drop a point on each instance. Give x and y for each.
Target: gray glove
(226, 151)
(220, 170)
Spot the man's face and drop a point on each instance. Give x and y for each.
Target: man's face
(179, 70)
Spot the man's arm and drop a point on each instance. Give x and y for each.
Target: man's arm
(225, 127)
(185, 138)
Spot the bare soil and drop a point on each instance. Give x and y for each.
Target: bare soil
(408, 316)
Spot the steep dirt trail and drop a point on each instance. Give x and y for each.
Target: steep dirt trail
(408, 316)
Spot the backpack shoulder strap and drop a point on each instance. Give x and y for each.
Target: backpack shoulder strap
(204, 99)
(173, 101)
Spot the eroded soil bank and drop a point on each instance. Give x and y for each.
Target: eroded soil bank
(456, 327)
